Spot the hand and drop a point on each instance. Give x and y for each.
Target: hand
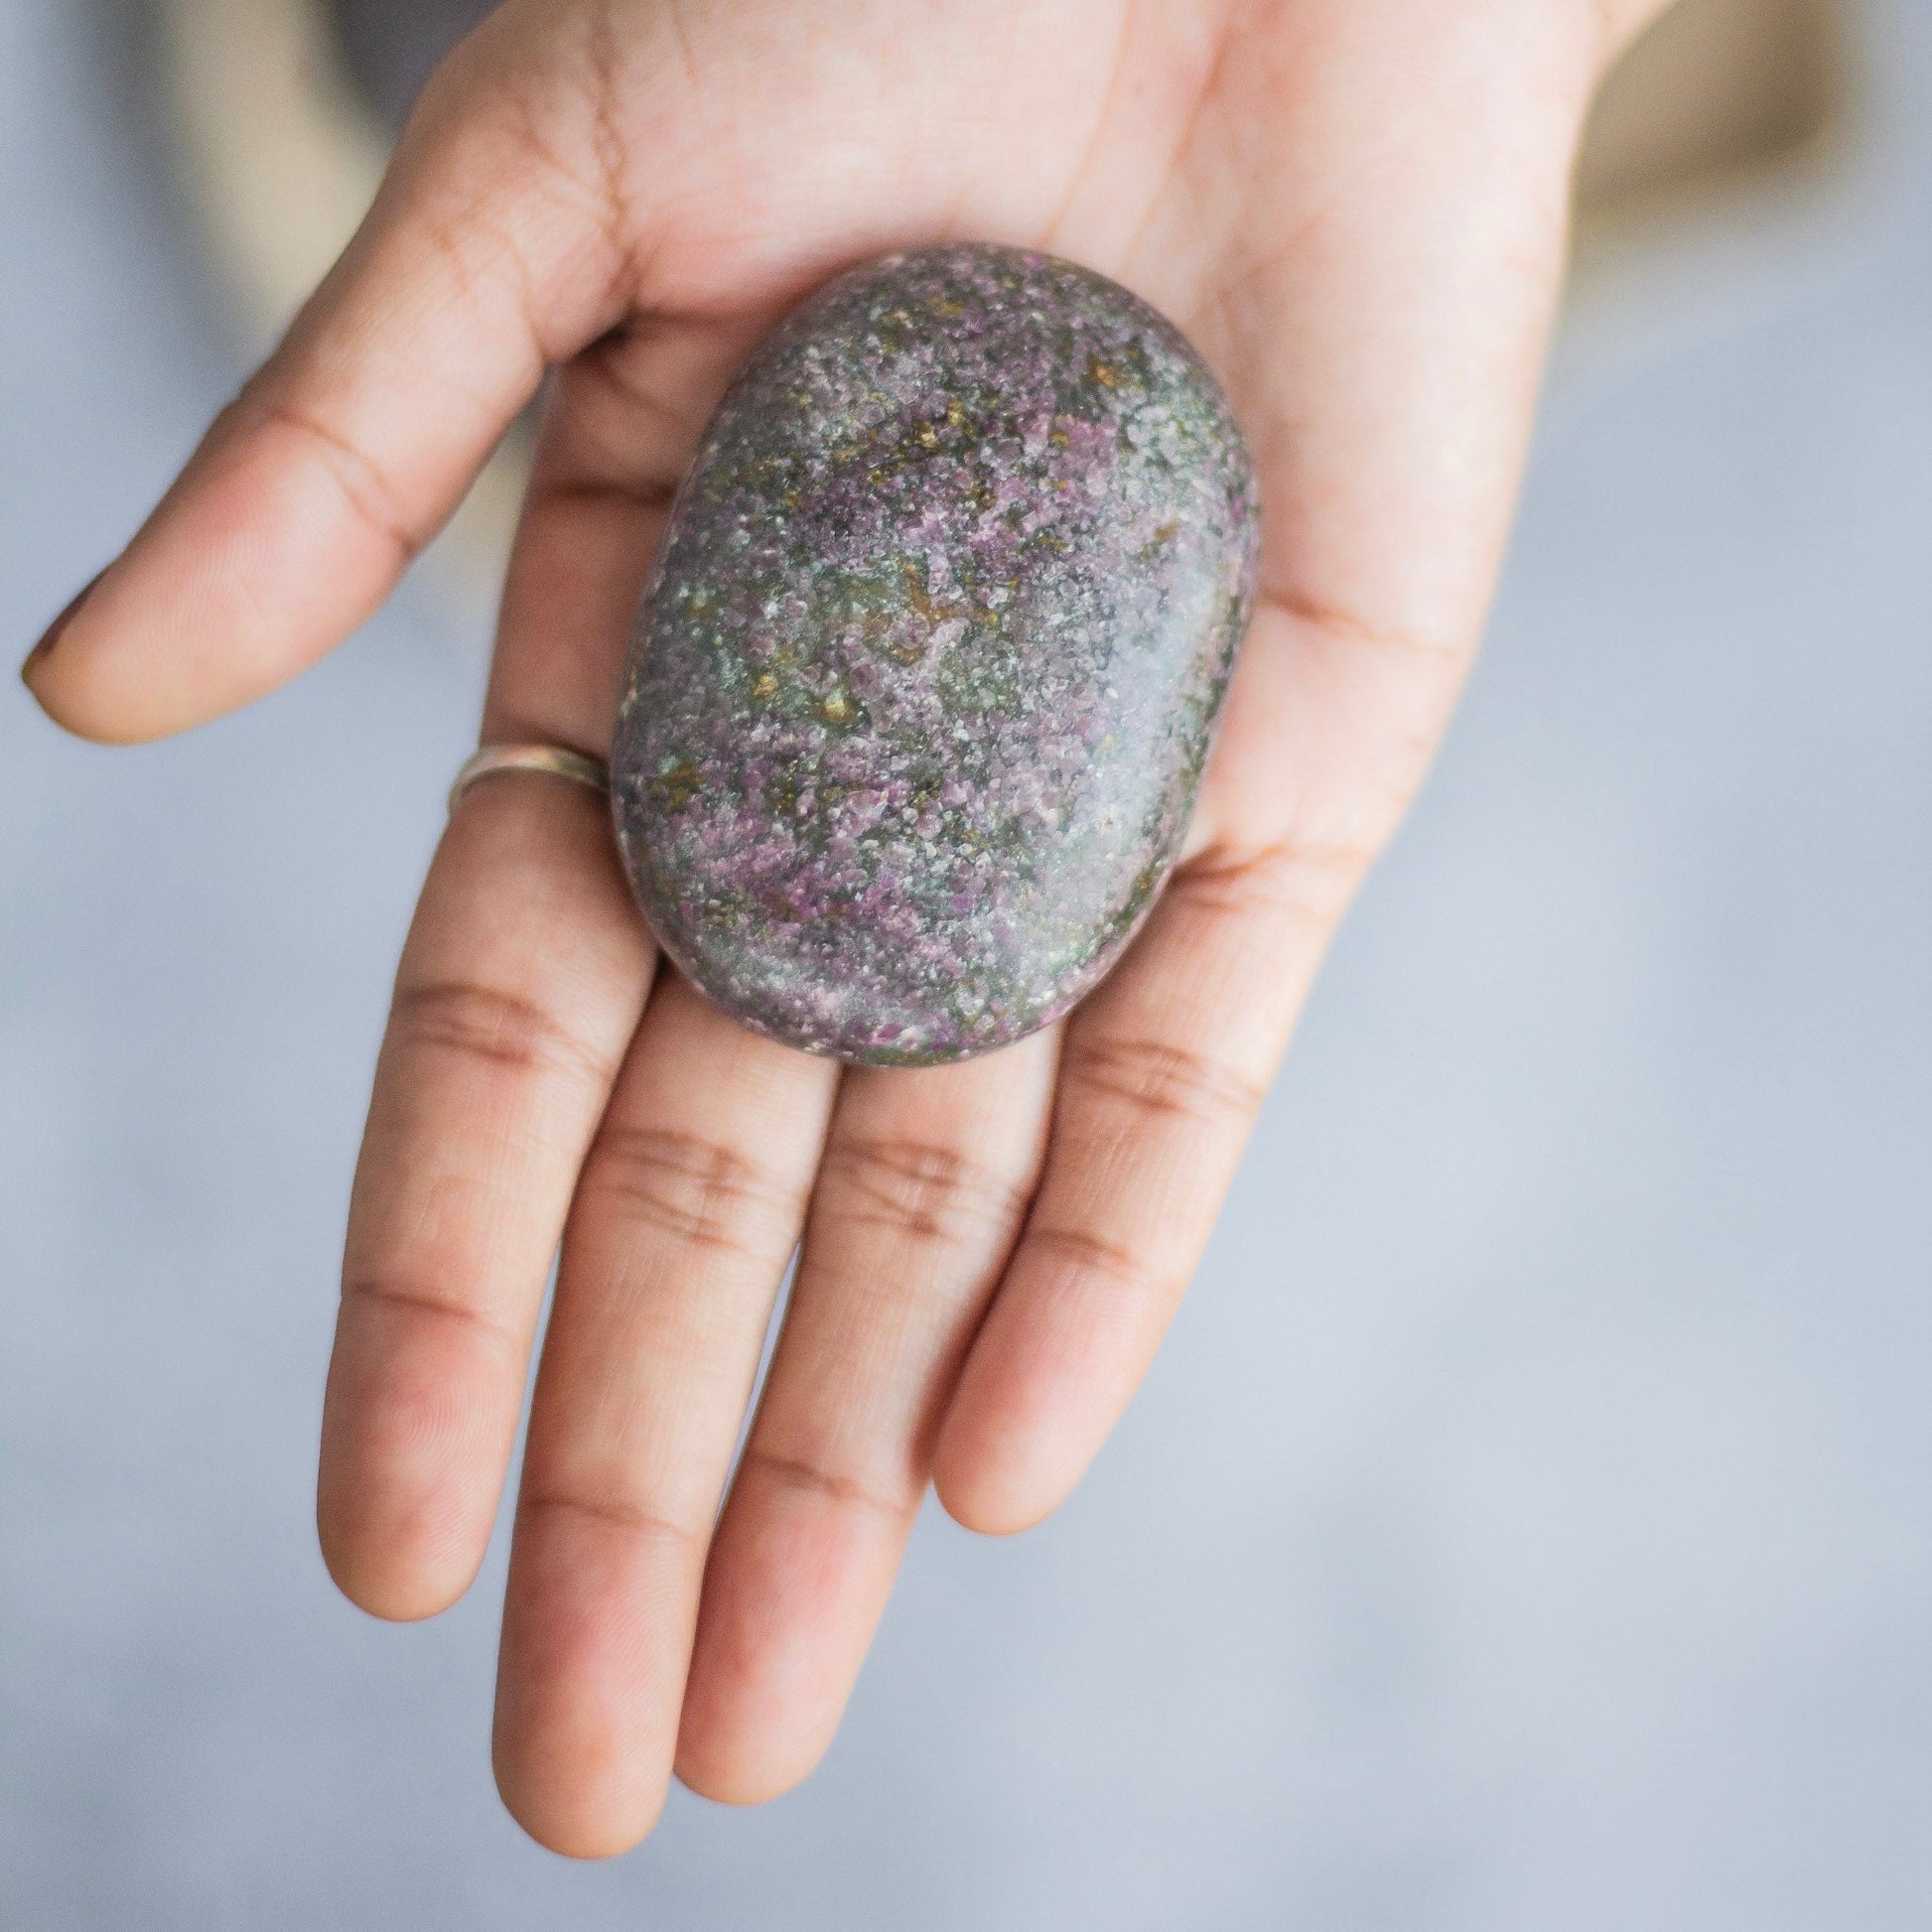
(1356, 208)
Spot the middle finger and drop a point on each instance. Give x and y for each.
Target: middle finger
(689, 1206)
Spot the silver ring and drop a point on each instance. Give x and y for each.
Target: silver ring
(553, 758)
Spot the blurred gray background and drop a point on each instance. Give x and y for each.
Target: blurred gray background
(1529, 1525)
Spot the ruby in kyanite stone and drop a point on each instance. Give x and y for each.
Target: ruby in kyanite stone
(926, 671)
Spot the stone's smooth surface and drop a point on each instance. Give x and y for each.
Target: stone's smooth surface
(922, 685)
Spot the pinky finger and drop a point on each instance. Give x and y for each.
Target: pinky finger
(1162, 1073)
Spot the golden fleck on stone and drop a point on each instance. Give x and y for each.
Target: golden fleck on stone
(1102, 372)
(837, 708)
(679, 785)
(765, 687)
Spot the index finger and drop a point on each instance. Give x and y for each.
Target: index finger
(501, 1053)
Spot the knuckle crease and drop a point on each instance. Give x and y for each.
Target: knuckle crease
(492, 1025)
(699, 1190)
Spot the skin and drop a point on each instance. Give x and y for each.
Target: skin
(1356, 208)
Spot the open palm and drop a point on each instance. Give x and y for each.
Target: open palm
(1356, 210)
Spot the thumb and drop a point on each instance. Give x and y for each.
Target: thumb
(485, 256)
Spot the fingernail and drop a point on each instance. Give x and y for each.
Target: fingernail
(51, 635)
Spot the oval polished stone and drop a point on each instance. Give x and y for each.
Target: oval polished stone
(923, 681)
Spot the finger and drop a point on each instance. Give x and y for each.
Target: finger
(925, 1181)
(485, 257)
(519, 988)
(1376, 571)
(690, 1203)
(517, 999)
(1161, 1075)
(618, 427)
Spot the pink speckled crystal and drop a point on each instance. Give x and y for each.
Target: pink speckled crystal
(925, 675)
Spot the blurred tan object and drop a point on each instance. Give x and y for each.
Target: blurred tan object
(282, 156)
(282, 159)
(282, 152)
(1716, 97)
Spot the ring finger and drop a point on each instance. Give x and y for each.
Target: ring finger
(924, 1182)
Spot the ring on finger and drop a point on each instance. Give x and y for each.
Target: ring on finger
(553, 760)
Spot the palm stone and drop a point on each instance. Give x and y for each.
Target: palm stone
(930, 658)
